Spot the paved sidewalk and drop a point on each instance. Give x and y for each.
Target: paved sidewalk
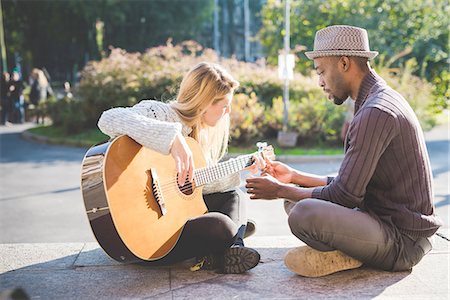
(83, 271)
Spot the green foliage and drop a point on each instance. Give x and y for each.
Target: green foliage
(123, 79)
(418, 92)
(399, 30)
(315, 119)
(62, 35)
(57, 135)
(441, 91)
(66, 114)
(247, 117)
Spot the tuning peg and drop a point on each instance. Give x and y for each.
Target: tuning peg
(261, 145)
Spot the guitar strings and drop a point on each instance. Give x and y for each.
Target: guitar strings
(171, 186)
(224, 168)
(171, 183)
(188, 185)
(217, 169)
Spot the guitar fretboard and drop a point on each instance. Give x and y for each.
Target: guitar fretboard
(209, 174)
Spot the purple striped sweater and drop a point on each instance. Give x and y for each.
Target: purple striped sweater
(386, 169)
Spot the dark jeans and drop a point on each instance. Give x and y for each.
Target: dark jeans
(326, 226)
(18, 110)
(213, 232)
(6, 111)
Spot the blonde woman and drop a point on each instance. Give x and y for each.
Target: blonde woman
(201, 111)
(39, 90)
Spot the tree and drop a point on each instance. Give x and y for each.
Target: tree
(399, 29)
(61, 35)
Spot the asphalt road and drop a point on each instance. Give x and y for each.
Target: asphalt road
(40, 199)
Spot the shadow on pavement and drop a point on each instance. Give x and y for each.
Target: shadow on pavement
(39, 194)
(14, 149)
(90, 274)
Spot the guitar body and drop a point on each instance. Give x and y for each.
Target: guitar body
(122, 183)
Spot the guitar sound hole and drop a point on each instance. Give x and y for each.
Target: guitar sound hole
(187, 188)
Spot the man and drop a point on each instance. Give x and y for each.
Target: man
(5, 100)
(16, 88)
(378, 210)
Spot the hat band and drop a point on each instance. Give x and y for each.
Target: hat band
(342, 50)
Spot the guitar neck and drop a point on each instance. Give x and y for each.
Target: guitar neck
(209, 174)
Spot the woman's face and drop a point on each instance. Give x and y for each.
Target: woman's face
(217, 110)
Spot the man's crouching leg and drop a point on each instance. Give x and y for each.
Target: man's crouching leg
(338, 239)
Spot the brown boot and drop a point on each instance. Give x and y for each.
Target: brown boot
(308, 262)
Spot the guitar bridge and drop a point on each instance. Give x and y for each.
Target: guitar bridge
(156, 191)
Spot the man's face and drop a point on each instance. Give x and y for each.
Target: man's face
(331, 79)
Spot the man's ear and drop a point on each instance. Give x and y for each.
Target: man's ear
(344, 63)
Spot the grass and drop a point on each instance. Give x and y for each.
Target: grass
(94, 136)
(292, 151)
(57, 136)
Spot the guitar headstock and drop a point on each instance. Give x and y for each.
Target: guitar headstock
(265, 151)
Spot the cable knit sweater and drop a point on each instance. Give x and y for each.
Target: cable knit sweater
(154, 125)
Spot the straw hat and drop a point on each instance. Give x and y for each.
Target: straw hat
(341, 40)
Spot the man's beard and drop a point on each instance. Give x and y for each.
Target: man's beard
(338, 101)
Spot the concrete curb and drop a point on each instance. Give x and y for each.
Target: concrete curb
(29, 136)
(35, 138)
(283, 158)
(300, 158)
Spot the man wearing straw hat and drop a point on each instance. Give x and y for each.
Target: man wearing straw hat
(379, 209)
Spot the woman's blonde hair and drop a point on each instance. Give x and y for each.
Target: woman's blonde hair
(205, 84)
(39, 75)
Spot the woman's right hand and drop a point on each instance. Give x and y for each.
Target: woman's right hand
(184, 159)
(278, 170)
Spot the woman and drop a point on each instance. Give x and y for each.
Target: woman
(40, 88)
(201, 111)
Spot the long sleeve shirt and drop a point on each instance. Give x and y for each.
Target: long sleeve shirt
(154, 125)
(386, 169)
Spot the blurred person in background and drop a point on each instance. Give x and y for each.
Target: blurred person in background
(40, 90)
(67, 90)
(5, 102)
(16, 93)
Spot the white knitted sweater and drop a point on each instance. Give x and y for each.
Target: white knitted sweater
(154, 125)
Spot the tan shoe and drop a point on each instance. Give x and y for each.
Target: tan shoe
(308, 262)
(250, 229)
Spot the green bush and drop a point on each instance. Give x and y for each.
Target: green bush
(416, 91)
(67, 114)
(247, 118)
(399, 30)
(123, 79)
(315, 119)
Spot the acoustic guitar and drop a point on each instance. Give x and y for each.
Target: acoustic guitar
(134, 205)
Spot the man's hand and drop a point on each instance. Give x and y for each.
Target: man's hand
(265, 187)
(184, 160)
(278, 170)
